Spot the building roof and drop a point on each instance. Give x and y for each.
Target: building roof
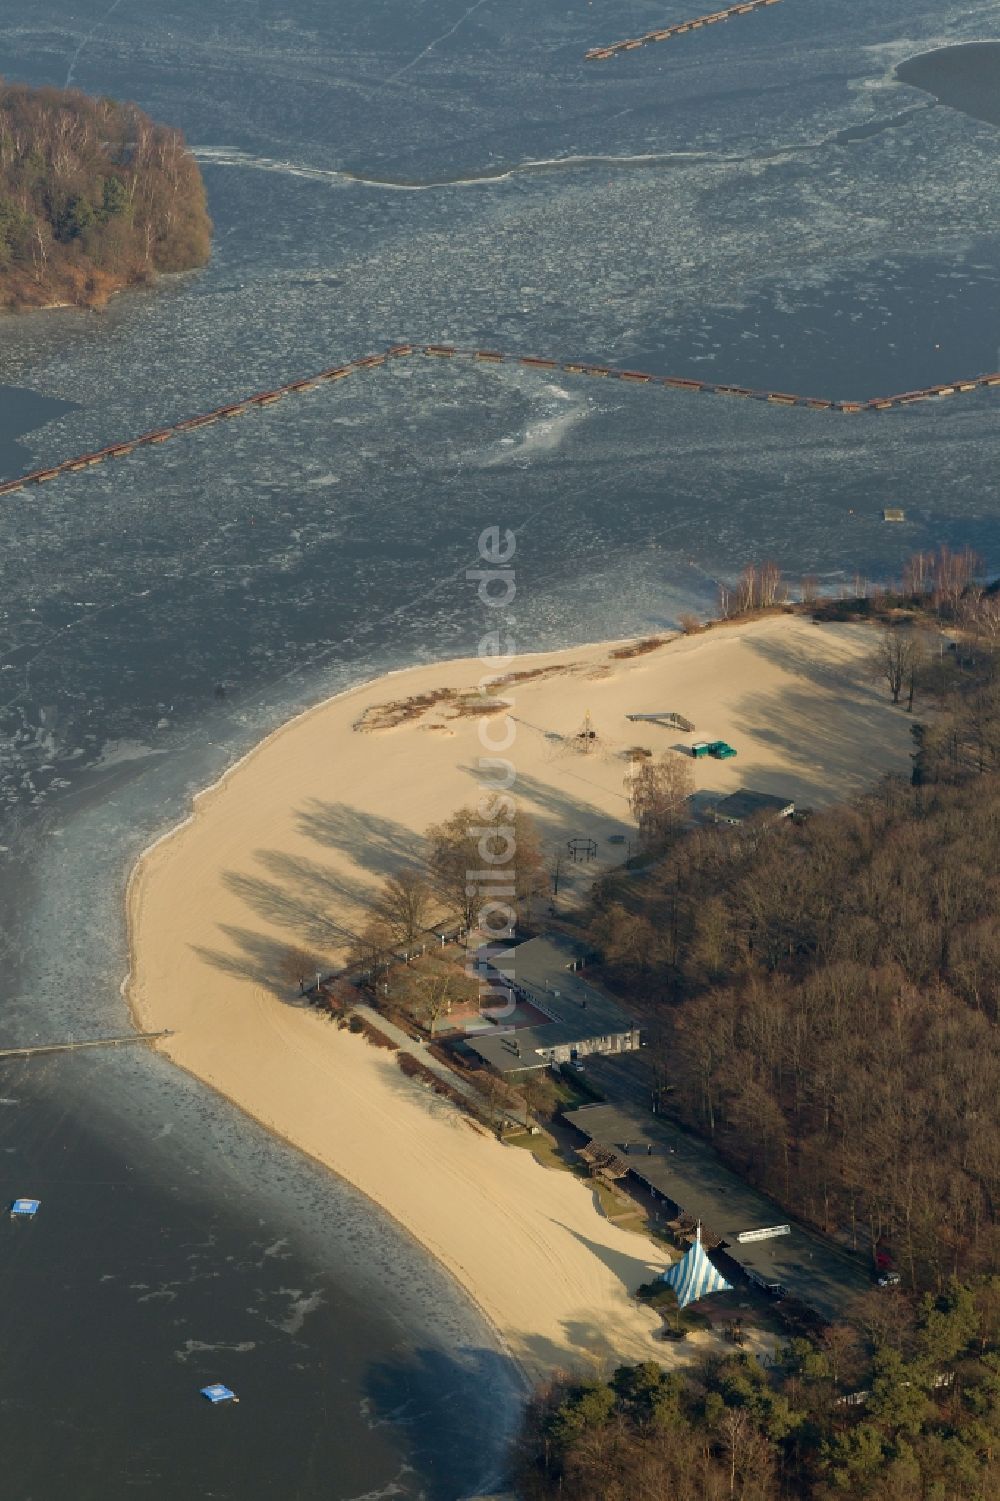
(745, 803)
(689, 1174)
(500, 1049)
(541, 971)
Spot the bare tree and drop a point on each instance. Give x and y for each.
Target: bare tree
(979, 612)
(468, 843)
(658, 793)
(297, 967)
(770, 589)
(373, 950)
(539, 1093)
(917, 573)
(436, 992)
(894, 657)
(404, 905)
(918, 657)
(746, 590)
(952, 573)
(759, 587)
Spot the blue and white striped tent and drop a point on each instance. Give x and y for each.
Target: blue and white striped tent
(694, 1276)
(219, 1393)
(26, 1207)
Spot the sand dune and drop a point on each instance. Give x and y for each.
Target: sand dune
(282, 851)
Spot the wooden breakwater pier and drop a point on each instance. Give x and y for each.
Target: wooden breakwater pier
(680, 28)
(34, 1050)
(492, 357)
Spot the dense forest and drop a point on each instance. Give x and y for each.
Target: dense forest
(824, 997)
(93, 197)
(904, 1405)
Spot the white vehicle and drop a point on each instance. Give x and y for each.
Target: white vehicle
(889, 1279)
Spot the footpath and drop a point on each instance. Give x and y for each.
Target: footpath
(418, 1049)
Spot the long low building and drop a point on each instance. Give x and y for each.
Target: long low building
(740, 807)
(570, 1019)
(749, 1227)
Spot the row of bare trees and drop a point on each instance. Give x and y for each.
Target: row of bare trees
(942, 583)
(759, 587)
(448, 886)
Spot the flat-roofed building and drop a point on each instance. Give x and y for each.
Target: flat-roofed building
(738, 807)
(545, 973)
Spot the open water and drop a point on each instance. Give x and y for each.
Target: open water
(765, 202)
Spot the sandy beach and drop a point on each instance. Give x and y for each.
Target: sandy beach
(283, 850)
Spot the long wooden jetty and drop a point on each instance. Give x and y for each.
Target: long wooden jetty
(667, 33)
(93, 1042)
(491, 357)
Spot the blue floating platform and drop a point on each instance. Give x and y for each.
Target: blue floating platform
(219, 1393)
(24, 1208)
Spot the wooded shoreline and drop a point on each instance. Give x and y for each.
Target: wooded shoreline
(94, 198)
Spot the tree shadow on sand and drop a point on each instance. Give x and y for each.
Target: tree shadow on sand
(821, 750)
(585, 1343)
(253, 957)
(631, 1271)
(556, 811)
(315, 883)
(306, 920)
(301, 898)
(376, 844)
